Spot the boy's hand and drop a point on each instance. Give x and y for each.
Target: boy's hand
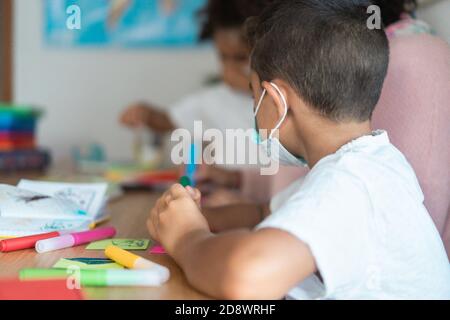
(176, 214)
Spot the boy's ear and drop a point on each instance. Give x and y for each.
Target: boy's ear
(275, 95)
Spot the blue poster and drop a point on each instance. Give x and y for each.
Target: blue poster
(122, 23)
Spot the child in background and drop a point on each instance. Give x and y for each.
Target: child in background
(356, 227)
(223, 106)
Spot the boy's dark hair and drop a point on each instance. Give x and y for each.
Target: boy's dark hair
(251, 8)
(220, 14)
(391, 10)
(326, 52)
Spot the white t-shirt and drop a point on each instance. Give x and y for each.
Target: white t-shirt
(219, 107)
(361, 212)
(222, 108)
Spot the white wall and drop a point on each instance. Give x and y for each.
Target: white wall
(84, 91)
(437, 14)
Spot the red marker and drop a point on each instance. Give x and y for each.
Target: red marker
(28, 242)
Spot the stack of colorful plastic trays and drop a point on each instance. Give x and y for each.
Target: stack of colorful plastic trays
(17, 128)
(18, 149)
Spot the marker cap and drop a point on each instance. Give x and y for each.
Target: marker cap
(159, 273)
(57, 243)
(162, 272)
(139, 278)
(185, 181)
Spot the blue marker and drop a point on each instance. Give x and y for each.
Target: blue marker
(191, 169)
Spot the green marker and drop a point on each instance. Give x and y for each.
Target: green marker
(185, 181)
(98, 278)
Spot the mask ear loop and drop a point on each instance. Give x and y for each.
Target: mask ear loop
(283, 99)
(260, 102)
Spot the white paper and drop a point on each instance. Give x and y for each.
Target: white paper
(20, 227)
(89, 197)
(39, 207)
(20, 203)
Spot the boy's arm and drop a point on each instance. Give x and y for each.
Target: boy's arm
(244, 265)
(236, 216)
(237, 265)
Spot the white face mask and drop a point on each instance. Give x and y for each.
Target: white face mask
(272, 145)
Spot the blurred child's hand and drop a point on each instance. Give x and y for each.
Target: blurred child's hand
(144, 115)
(176, 214)
(136, 115)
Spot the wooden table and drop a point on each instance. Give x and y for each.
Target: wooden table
(129, 215)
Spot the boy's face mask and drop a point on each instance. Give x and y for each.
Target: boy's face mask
(272, 145)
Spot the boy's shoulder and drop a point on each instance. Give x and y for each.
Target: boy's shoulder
(370, 153)
(368, 163)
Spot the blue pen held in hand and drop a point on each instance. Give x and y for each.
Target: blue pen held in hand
(191, 168)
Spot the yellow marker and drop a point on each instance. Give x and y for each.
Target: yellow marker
(132, 261)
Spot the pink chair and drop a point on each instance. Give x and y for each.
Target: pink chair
(415, 110)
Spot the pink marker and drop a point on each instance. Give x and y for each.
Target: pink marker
(74, 239)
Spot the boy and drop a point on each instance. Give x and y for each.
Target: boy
(356, 227)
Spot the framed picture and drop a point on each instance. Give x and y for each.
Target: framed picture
(122, 23)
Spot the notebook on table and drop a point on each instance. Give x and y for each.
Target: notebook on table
(35, 207)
